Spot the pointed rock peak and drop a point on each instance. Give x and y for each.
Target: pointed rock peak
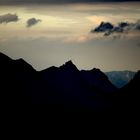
(22, 64)
(69, 65)
(99, 73)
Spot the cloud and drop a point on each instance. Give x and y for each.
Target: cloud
(8, 18)
(32, 21)
(108, 28)
(103, 27)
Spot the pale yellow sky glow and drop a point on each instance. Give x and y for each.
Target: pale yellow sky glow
(64, 33)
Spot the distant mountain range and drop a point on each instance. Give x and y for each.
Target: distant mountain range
(120, 78)
(61, 88)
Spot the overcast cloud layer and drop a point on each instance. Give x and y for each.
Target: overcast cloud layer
(59, 1)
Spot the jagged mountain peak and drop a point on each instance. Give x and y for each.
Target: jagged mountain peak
(69, 65)
(69, 62)
(22, 64)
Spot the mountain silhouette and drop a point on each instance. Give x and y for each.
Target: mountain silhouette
(76, 88)
(98, 79)
(16, 81)
(59, 88)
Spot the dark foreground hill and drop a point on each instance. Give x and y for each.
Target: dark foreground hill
(61, 88)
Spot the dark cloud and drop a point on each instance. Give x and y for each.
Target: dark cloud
(58, 1)
(103, 27)
(123, 24)
(32, 21)
(8, 18)
(108, 28)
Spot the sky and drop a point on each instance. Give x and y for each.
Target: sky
(60, 1)
(102, 34)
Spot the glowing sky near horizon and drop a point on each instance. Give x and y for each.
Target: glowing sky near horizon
(63, 34)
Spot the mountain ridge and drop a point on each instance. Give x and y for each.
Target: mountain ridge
(63, 87)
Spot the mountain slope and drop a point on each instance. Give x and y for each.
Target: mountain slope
(16, 79)
(98, 79)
